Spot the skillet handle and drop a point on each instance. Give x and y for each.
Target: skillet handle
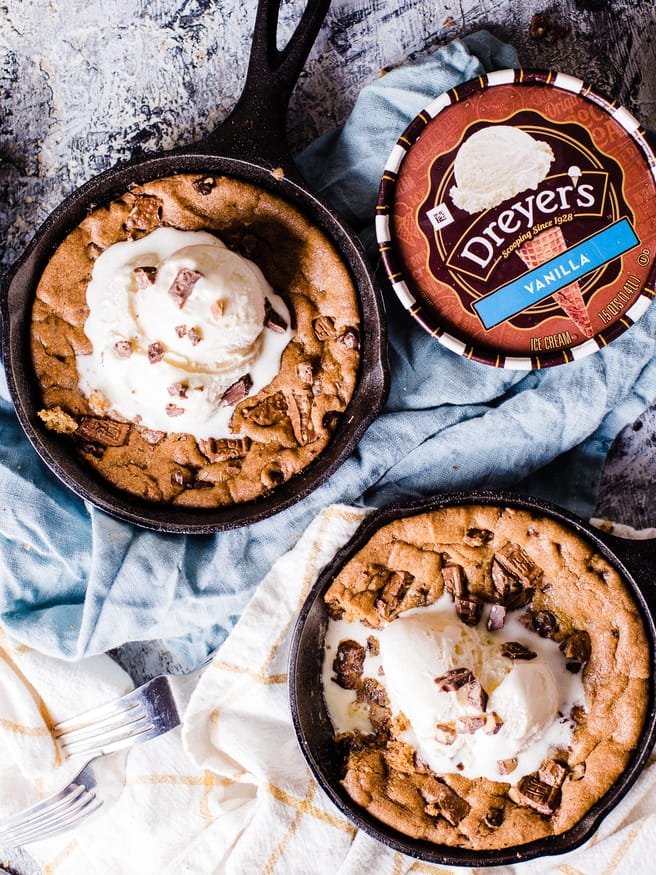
(256, 129)
(639, 558)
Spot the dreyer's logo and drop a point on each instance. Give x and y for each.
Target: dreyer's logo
(497, 233)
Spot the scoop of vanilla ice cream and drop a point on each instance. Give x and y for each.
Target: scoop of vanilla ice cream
(527, 702)
(496, 163)
(211, 332)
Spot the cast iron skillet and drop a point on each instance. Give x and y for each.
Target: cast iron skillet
(636, 563)
(248, 145)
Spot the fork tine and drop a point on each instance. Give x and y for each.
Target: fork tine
(66, 808)
(103, 741)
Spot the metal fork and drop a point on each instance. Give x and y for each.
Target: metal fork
(148, 711)
(79, 799)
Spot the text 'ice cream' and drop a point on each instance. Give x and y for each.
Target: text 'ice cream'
(496, 163)
(182, 329)
(468, 705)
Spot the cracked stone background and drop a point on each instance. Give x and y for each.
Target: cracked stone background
(87, 83)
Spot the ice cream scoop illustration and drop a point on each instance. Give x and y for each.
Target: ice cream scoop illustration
(496, 163)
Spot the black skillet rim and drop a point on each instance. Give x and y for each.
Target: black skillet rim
(420, 849)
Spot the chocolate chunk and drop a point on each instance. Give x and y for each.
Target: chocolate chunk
(519, 564)
(145, 276)
(390, 597)
(445, 733)
(177, 390)
(173, 410)
(123, 349)
(470, 725)
(156, 352)
(324, 328)
(272, 319)
(92, 449)
(493, 723)
(199, 483)
(533, 792)
(181, 477)
(350, 338)
(194, 336)
(151, 435)
(476, 695)
(299, 410)
(477, 537)
(104, 432)
(515, 650)
(181, 330)
(494, 818)
(576, 649)
(305, 371)
(237, 391)
(224, 449)
(505, 767)
(505, 584)
(496, 617)
(469, 610)
(183, 285)
(373, 645)
(204, 185)
(348, 664)
(331, 420)
(454, 680)
(552, 772)
(520, 599)
(146, 213)
(267, 412)
(455, 581)
(452, 807)
(545, 623)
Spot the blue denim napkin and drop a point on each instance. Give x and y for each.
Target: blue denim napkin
(75, 581)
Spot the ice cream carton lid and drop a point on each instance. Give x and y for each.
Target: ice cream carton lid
(516, 219)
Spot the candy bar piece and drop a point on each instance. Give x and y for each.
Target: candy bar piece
(145, 276)
(350, 338)
(146, 213)
(183, 285)
(105, 432)
(455, 581)
(452, 807)
(453, 680)
(299, 410)
(496, 618)
(174, 410)
(494, 818)
(505, 767)
(469, 610)
(389, 601)
(470, 725)
(476, 695)
(544, 623)
(272, 319)
(268, 411)
(324, 328)
(224, 449)
(474, 537)
(156, 352)
(237, 391)
(515, 650)
(552, 772)
(194, 336)
(576, 649)
(305, 371)
(533, 792)
(123, 349)
(348, 664)
(445, 733)
(177, 390)
(204, 185)
(493, 723)
(516, 561)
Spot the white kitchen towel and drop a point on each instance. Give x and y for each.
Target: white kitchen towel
(231, 794)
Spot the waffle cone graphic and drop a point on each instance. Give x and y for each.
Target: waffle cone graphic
(540, 249)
